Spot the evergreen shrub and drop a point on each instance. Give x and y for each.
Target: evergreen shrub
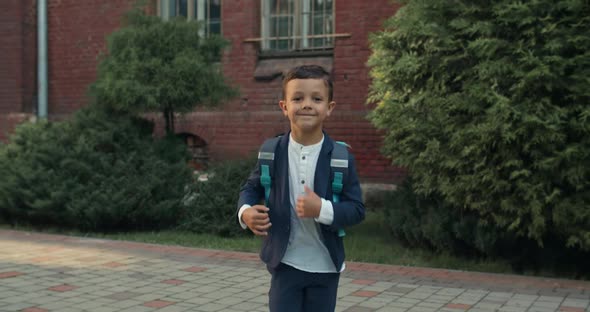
(486, 104)
(93, 172)
(153, 65)
(211, 207)
(426, 221)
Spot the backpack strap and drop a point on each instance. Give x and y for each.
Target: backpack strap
(266, 157)
(339, 165)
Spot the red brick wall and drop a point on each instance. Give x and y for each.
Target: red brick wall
(29, 66)
(11, 55)
(17, 63)
(77, 32)
(76, 35)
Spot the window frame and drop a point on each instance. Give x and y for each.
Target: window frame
(201, 16)
(301, 45)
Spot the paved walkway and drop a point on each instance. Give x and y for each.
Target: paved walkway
(41, 272)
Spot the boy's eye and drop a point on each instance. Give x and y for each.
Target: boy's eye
(296, 99)
(317, 99)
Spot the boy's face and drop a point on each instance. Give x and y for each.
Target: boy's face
(306, 104)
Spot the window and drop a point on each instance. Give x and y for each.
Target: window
(296, 25)
(206, 11)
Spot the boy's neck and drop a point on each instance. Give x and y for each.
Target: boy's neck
(306, 139)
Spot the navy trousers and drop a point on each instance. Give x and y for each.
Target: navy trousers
(292, 290)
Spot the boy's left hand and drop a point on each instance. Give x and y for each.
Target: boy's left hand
(308, 204)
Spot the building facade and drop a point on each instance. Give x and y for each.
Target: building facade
(266, 38)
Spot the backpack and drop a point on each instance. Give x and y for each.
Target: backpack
(338, 164)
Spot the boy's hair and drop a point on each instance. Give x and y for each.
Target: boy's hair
(309, 72)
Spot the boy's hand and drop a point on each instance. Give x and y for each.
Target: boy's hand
(308, 204)
(257, 220)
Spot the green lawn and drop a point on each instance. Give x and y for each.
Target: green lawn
(365, 242)
(369, 242)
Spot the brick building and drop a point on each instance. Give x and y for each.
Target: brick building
(266, 37)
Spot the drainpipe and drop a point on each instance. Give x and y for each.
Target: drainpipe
(42, 58)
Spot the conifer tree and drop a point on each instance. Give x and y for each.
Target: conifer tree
(487, 103)
(154, 65)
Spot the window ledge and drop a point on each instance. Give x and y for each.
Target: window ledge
(291, 54)
(270, 68)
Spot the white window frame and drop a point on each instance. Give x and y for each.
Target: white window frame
(300, 28)
(163, 10)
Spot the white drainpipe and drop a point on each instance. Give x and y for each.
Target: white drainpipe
(42, 58)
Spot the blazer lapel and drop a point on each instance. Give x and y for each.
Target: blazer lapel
(282, 174)
(322, 171)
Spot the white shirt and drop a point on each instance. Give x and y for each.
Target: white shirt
(305, 250)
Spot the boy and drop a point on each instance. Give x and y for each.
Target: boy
(302, 248)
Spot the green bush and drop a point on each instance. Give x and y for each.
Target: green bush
(96, 172)
(154, 65)
(425, 221)
(420, 221)
(212, 205)
(486, 104)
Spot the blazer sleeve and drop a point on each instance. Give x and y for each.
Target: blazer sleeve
(252, 191)
(351, 209)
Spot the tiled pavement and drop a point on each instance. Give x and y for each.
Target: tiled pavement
(41, 272)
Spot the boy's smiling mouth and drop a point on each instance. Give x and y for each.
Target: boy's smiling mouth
(304, 114)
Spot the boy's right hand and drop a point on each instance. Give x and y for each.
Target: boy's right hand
(257, 220)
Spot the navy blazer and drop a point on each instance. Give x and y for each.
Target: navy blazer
(349, 211)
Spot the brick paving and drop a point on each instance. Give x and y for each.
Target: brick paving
(43, 272)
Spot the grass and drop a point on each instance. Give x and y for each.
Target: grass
(188, 239)
(370, 242)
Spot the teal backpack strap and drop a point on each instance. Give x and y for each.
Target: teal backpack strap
(339, 165)
(266, 157)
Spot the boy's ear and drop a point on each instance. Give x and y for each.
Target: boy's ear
(331, 106)
(283, 106)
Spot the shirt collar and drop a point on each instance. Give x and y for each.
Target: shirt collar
(307, 148)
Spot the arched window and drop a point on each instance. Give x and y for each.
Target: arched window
(198, 150)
